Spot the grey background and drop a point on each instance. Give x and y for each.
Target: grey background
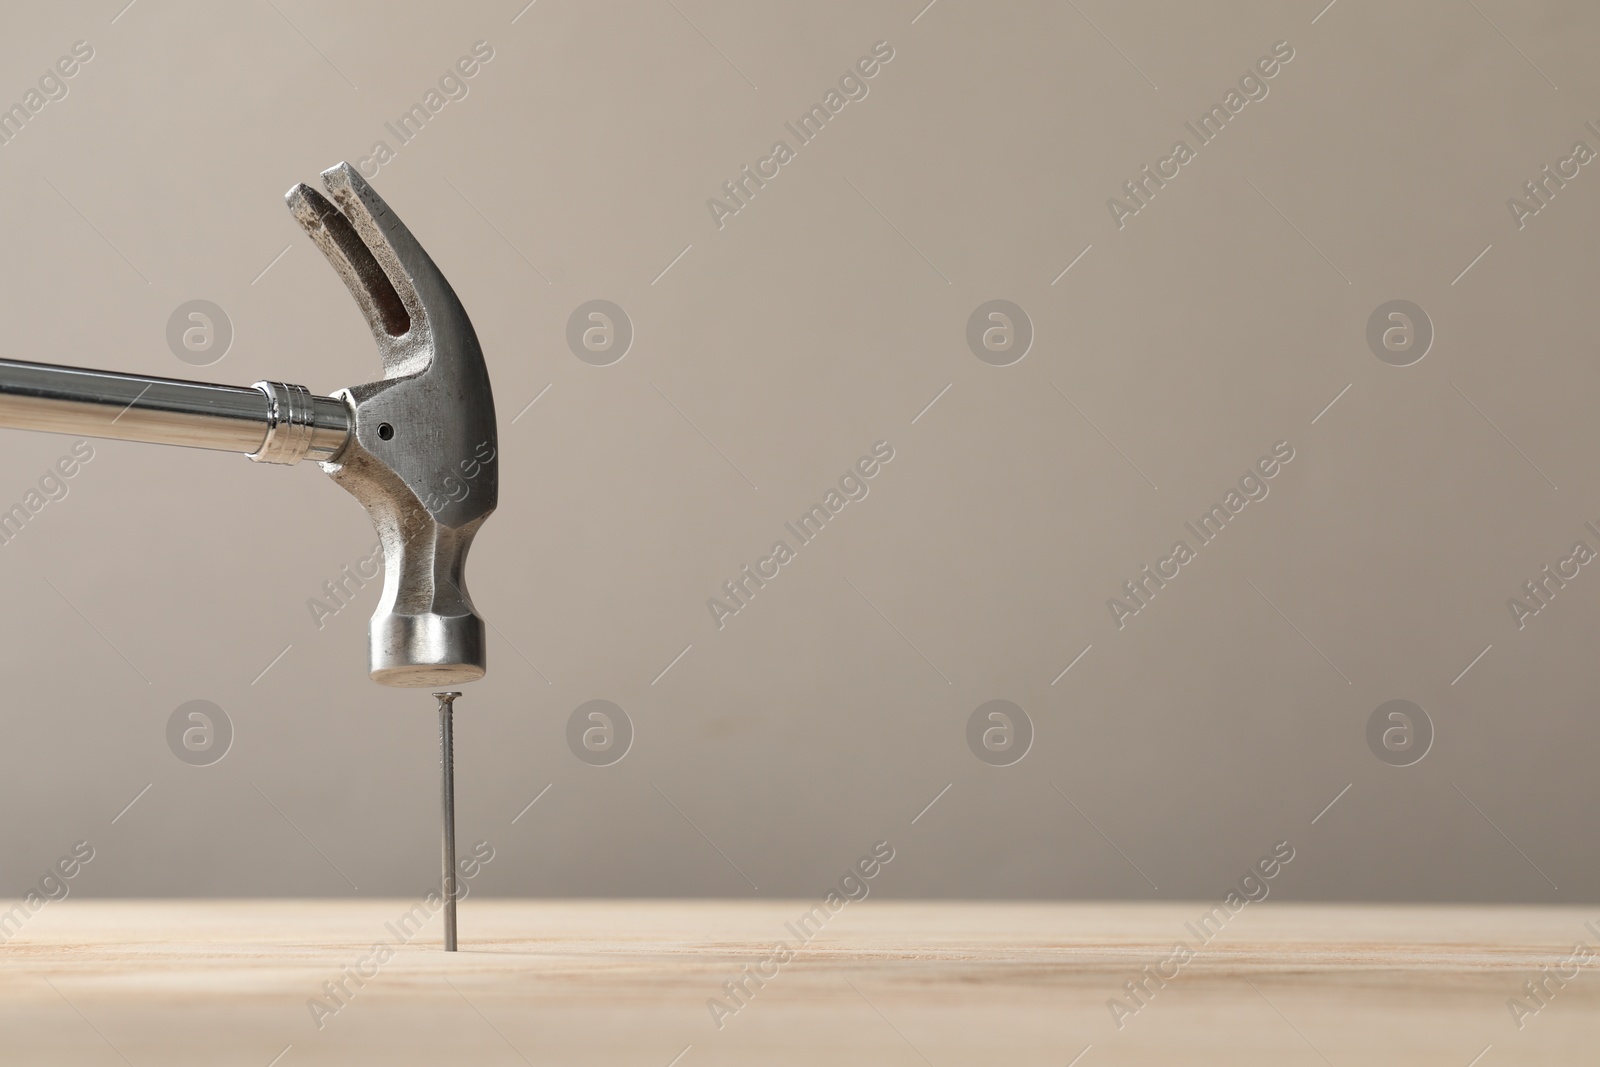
(826, 316)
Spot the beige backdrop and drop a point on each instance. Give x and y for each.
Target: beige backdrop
(1173, 348)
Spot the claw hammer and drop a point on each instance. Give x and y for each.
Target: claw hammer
(404, 445)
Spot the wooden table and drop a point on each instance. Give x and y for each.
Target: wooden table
(555, 982)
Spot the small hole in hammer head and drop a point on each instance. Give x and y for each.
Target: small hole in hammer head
(385, 431)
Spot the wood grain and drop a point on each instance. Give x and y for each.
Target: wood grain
(628, 982)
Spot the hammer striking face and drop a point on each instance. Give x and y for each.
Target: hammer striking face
(422, 456)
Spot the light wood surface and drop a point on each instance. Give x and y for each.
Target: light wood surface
(627, 982)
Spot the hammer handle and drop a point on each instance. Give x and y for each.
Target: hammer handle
(271, 421)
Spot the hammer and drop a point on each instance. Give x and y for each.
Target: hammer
(417, 447)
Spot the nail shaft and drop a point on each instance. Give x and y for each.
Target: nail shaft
(447, 765)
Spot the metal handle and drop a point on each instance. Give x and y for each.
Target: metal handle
(271, 421)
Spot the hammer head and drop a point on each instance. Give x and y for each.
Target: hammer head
(423, 453)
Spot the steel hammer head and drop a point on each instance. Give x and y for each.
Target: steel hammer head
(422, 457)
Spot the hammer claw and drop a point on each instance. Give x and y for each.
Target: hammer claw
(354, 262)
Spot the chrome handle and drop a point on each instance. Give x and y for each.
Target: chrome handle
(271, 421)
